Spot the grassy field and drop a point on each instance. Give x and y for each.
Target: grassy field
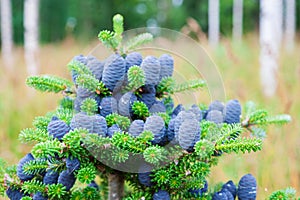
(275, 167)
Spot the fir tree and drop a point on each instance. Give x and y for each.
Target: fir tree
(117, 124)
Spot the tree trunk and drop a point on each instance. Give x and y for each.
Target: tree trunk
(116, 186)
(290, 24)
(213, 22)
(270, 43)
(6, 34)
(237, 19)
(31, 35)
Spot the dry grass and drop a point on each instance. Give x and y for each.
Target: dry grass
(275, 167)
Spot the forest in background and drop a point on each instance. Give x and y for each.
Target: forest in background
(84, 19)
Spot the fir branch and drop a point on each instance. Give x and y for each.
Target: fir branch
(2, 189)
(161, 177)
(35, 166)
(108, 39)
(136, 77)
(258, 117)
(66, 103)
(41, 122)
(141, 195)
(284, 194)
(209, 130)
(92, 84)
(200, 170)
(77, 195)
(145, 137)
(87, 81)
(137, 41)
(92, 140)
(154, 154)
(166, 86)
(89, 106)
(279, 195)
(202, 106)
(55, 164)
(47, 83)
(118, 27)
(64, 114)
(240, 145)
(204, 149)
(79, 68)
(229, 131)
(119, 155)
(194, 182)
(102, 90)
(48, 148)
(9, 171)
(98, 146)
(111, 119)
(73, 139)
(33, 186)
(90, 193)
(140, 109)
(122, 121)
(290, 192)
(175, 182)
(2, 175)
(279, 119)
(30, 135)
(125, 141)
(86, 174)
(26, 198)
(189, 85)
(56, 191)
(2, 167)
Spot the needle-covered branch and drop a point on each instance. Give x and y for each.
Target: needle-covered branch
(47, 83)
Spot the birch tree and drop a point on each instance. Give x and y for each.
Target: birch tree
(237, 19)
(31, 35)
(213, 22)
(6, 33)
(290, 24)
(270, 43)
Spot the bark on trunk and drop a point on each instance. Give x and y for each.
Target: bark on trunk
(290, 24)
(213, 22)
(270, 42)
(6, 34)
(31, 35)
(116, 186)
(237, 19)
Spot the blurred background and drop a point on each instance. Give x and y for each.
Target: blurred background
(254, 44)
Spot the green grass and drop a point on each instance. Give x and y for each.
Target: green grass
(275, 167)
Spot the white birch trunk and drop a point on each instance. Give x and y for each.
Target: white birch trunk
(270, 43)
(6, 34)
(213, 22)
(237, 19)
(31, 35)
(290, 24)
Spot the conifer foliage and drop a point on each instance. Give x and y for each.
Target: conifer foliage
(117, 124)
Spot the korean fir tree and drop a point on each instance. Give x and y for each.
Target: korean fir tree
(116, 133)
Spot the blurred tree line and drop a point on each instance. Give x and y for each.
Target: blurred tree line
(83, 19)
